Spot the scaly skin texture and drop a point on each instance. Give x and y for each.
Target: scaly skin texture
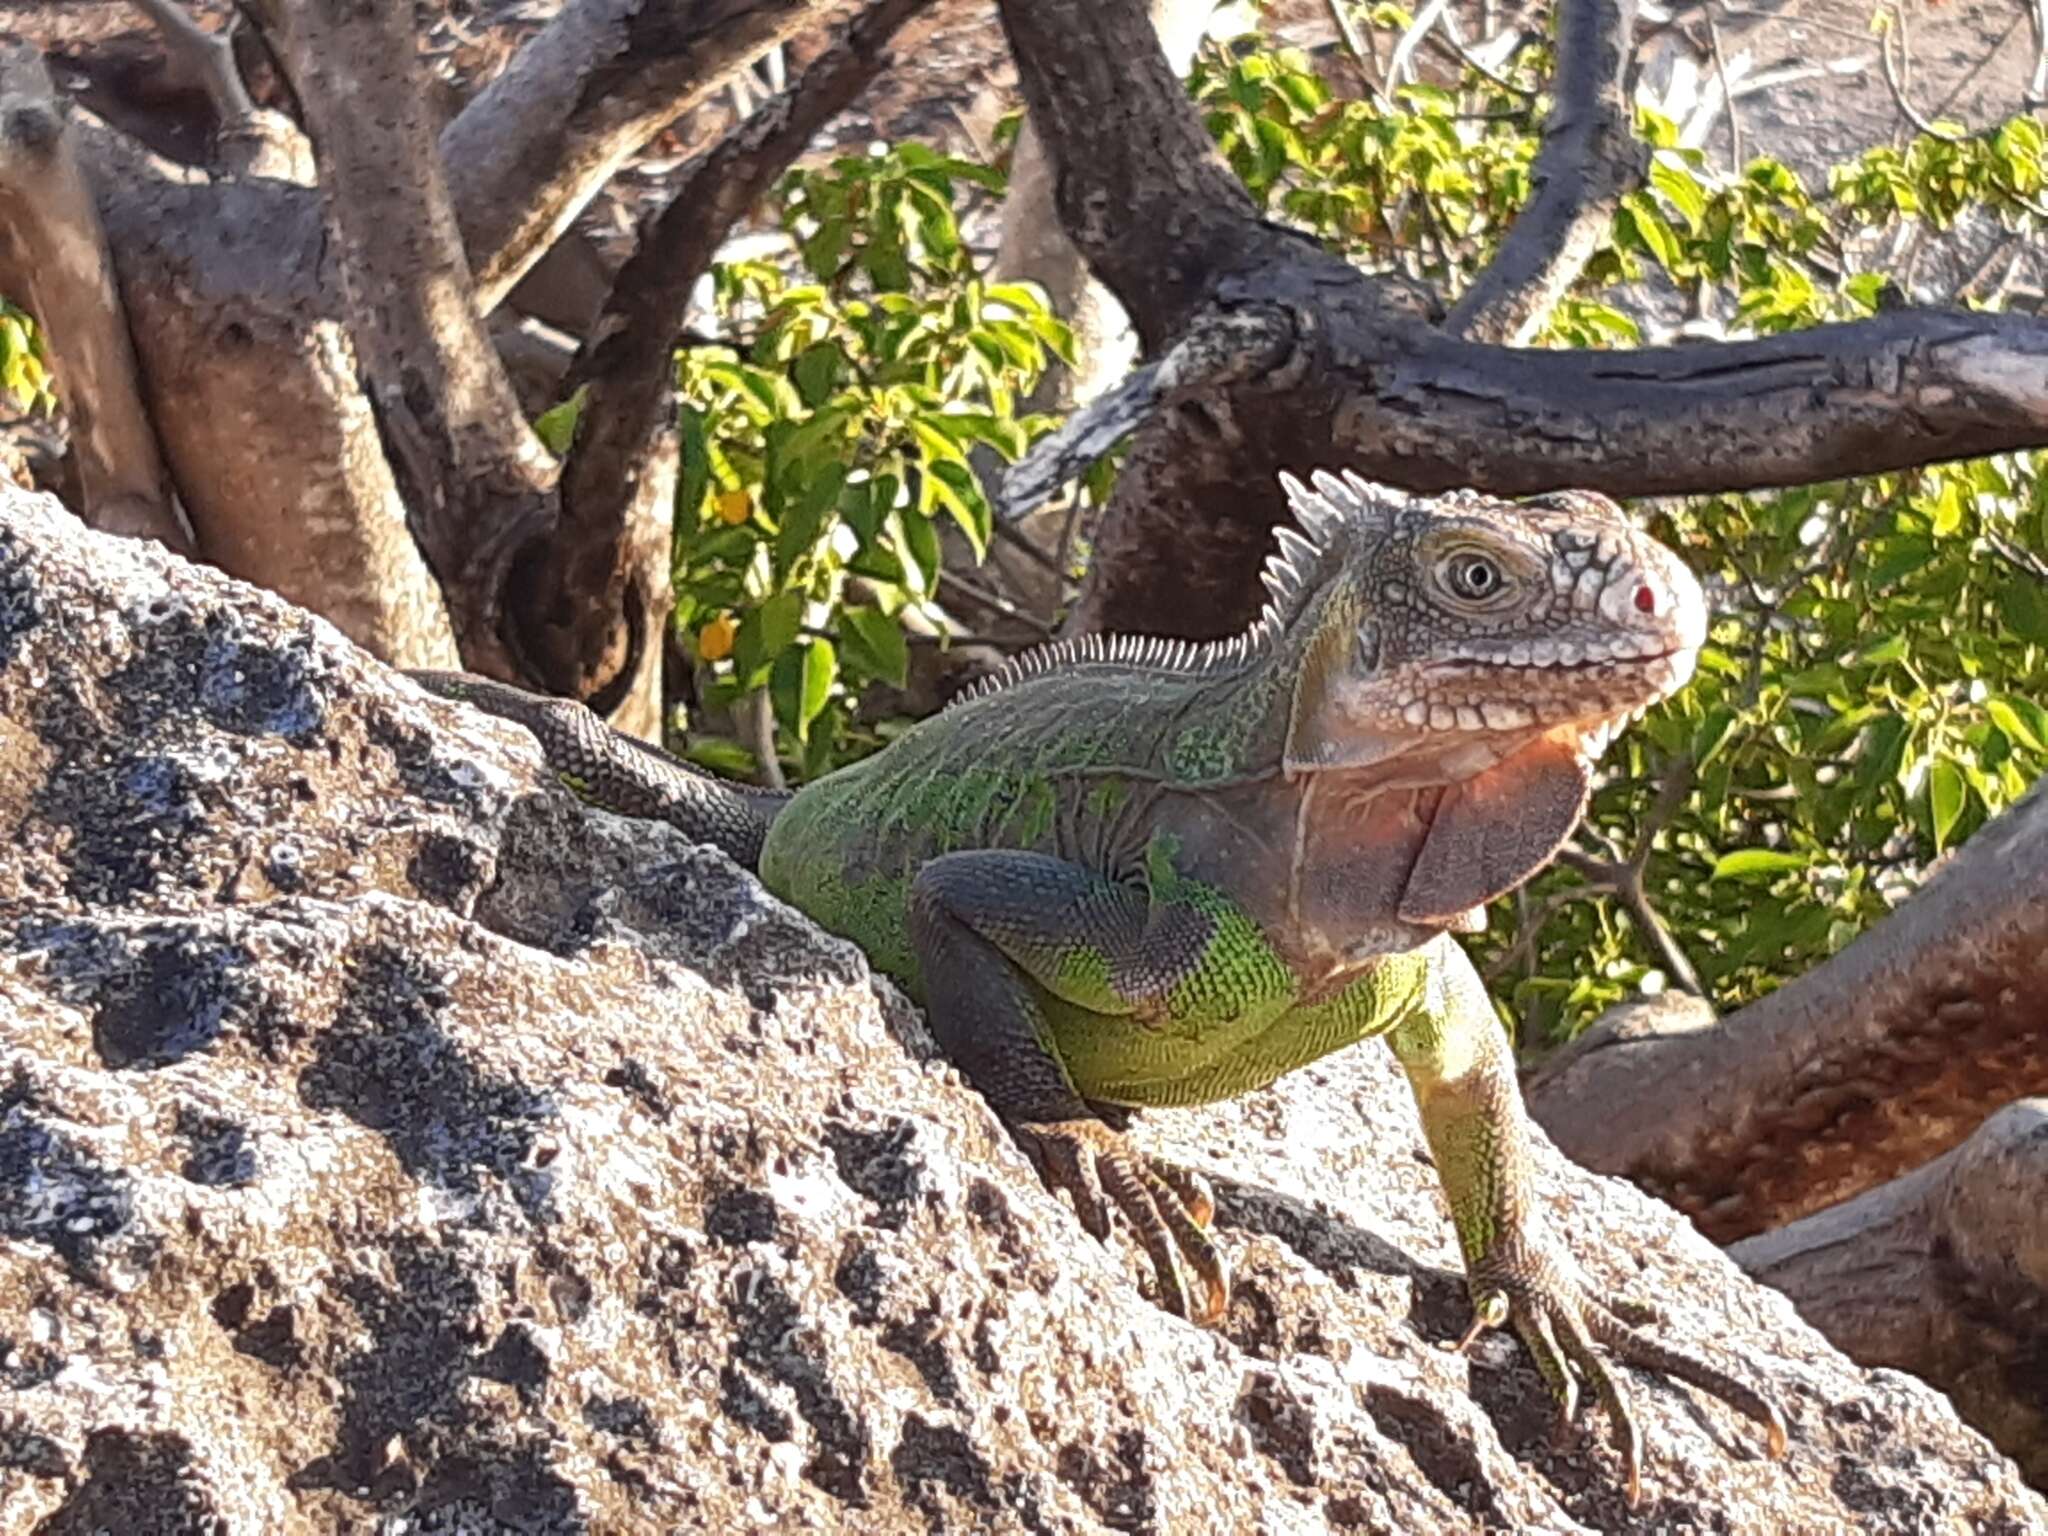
(1129, 874)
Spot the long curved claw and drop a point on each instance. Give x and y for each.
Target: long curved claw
(1168, 1209)
(1559, 1324)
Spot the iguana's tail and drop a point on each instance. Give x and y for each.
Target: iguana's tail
(620, 773)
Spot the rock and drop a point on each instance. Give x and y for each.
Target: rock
(389, 1143)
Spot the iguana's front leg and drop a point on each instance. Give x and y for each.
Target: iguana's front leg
(1459, 1066)
(997, 935)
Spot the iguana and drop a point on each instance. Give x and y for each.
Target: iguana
(1126, 873)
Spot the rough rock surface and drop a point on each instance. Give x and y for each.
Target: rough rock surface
(389, 1144)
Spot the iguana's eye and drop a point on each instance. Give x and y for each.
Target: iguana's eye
(1474, 577)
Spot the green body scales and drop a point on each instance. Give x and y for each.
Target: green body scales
(1128, 771)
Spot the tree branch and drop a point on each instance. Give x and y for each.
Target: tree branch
(251, 385)
(53, 258)
(475, 480)
(1883, 1056)
(1900, 389)
(581, 96)
(1943, 1273)
(1589, 158)
(1141, 189)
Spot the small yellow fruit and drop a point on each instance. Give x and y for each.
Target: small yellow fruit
(714, 640)
(734, 507)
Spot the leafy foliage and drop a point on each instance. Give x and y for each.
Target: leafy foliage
(821, 457)
(1867, 697)
(24, 365)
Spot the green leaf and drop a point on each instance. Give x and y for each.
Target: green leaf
(821, 671)
(1945, 791)
(875, 644)
(2024, 722)
(817, 371)
(556, 426)
(1750, 863)
(765, 634)
(1680, 188)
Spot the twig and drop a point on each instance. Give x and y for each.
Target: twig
(1355, 45)
(1400, 67)
(999, 603)
(210, 56)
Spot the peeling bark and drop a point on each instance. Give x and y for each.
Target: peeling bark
(1943, 1273)
(54, 260)
(1880, 1058)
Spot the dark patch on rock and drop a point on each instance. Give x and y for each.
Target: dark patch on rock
(737, 1216)
(406, 1388)
(1282, 1426)
(21, 605)
(630, 1076)
(132, 821)
(449, 871)
(52, 1191)
(426, 766)
(1439, 1449)
(24, 1365)
(160, 995)
(221, 1155)
(259, 687)
(625, 1418)
(518, 1358)
(146, 1484)
(23, 1450)
(1119, 1490)
(387, 1064)
(990, 1208)
(873, 1163)
(933, 1457)
(774, 1341)
(859, 1277)
(744, 1403)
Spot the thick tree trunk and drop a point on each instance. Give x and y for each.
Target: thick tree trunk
(1886, 1055)
(1943, 1273)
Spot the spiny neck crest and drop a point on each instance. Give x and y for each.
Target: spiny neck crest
(1336, 517)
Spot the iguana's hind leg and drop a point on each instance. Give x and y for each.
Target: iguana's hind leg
(994, 932)
(616, 772)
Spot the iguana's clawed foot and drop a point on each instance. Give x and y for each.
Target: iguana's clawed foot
(1560, 1324)
(1168, 1207)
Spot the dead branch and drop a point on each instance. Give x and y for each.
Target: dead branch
(53, 259)
(1588, 159)
(1943, 1273)
(585, 92)
(1132, 157)
(1882, 1057)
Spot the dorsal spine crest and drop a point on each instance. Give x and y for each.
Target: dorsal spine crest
(1335, 516)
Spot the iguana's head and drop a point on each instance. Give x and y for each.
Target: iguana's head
(1489, 647)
